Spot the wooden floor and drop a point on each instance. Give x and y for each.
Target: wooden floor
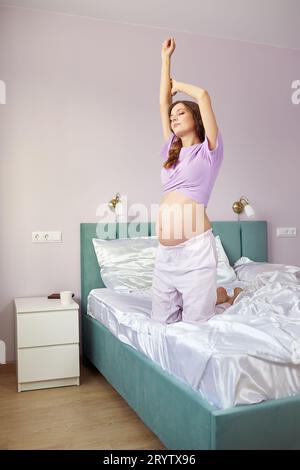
(91, 416)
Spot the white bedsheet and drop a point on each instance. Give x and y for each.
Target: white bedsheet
(247, 354)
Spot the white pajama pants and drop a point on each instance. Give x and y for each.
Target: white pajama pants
(184, 283)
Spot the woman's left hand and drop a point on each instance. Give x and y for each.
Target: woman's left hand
(174, 88)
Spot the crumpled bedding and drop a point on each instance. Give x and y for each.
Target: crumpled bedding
(248, 352)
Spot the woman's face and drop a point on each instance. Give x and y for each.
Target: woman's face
(181, 120)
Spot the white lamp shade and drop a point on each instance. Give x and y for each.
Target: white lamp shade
(249, 211)
(119, 209)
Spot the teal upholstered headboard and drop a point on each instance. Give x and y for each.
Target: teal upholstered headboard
(243, 238)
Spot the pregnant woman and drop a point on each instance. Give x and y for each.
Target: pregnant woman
(185, 273)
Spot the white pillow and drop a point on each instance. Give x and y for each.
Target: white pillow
(247, 270)
(225, 272)
(126, 263)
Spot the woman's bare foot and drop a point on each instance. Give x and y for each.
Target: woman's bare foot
(222, 295)
(236, 291)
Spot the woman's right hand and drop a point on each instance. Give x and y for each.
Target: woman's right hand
(168, 47)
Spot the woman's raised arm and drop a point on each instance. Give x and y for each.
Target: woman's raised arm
(165, 97)
(205, 106)
(168, 47)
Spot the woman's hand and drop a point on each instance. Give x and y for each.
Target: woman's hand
(174, 87)
(168, 47)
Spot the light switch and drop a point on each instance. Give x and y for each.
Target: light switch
(286, 232)
(46, 237)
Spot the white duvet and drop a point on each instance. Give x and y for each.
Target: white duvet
(247, 353)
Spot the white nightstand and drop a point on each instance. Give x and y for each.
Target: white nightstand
(47, 341)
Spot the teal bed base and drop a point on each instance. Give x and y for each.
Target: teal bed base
(172, 410)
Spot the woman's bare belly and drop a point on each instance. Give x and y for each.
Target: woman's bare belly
(180, 218)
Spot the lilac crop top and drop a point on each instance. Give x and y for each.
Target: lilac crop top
(196, 170)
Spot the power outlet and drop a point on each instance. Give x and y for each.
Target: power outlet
(46, 237)
(286, 232)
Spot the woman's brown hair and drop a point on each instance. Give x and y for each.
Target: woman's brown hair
(177, 146)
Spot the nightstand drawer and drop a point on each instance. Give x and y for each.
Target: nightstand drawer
(47, 328)
(48, 363)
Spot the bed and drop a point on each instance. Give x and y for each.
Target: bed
(170, 408)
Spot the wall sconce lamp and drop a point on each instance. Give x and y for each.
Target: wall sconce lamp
(116, 205)
(243, 205)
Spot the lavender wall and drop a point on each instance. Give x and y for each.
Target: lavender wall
(82, 122)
